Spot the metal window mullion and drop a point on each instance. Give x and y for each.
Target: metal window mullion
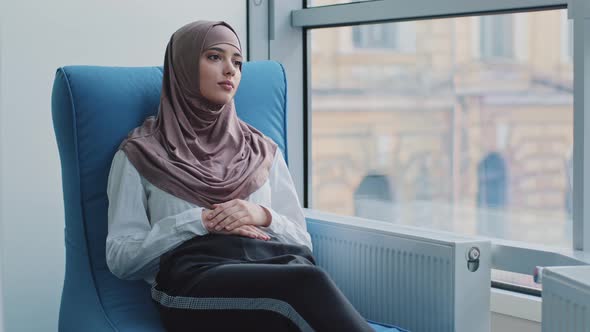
(288, 49)
(265, 20)
(394, 10)
(586, 60)
(258, 36)
(579, 11)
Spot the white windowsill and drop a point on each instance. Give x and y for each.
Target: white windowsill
(516, 305)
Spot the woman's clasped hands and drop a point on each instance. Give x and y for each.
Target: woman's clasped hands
(237, 217)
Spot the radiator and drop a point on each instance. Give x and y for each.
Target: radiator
(566, 299)
(417, 280)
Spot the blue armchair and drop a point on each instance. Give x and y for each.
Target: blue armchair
(93, 109)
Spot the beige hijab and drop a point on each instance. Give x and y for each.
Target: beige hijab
(194, 149)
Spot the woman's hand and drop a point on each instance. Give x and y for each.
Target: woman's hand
(246, 231)
(235, 213)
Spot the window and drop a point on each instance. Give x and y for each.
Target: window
(372, 197)
(566, 29)
(570, 40)
(400, 37)
(423, 121)
(492, 179)
(569, 168)
(497, 36)
(441, 138)
(491, 195)
(375, 36)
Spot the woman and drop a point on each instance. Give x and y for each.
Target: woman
(202, 206)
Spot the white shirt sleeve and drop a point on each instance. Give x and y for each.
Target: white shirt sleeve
(288, 221)
(134, 244)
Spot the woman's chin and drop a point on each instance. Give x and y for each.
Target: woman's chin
(223, 101)
(220, 99)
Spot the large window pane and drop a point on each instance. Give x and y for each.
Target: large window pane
(460, 124)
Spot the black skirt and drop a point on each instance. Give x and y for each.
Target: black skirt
(232, 283)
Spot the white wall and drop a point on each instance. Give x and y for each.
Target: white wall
(37, 37)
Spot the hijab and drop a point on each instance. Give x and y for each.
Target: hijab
(194, 149)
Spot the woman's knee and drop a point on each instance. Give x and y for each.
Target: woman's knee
(312, 273)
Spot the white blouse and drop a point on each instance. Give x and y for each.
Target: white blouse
(146, 222)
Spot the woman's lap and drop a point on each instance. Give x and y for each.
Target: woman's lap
(225, 283)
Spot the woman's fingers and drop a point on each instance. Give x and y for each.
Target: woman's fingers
(219, 208)
(239, 218)
(260, 233)
(230, 215)
(214, 222)
(233, 218)
(245, 232)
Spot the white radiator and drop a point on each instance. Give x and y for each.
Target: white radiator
(417, 280)
(566, 299)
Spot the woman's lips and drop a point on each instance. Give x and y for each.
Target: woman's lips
(226, 86)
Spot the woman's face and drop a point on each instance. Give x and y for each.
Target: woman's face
(220, 68)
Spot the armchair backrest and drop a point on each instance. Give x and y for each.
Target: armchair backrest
(93, 110)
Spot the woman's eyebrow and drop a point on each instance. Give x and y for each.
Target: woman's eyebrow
(222, 51)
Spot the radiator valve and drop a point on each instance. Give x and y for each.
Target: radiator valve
(473, 259)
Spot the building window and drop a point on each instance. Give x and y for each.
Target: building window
(491, 196)
(492, 180)
(399, 37)
(567, 38)
(374, 198)
(375, 36)
(569, 203)
(497, 36)
(570, 40)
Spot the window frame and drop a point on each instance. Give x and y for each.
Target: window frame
(279, 30)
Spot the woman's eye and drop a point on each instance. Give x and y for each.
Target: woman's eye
(214, 57)
(238, 63)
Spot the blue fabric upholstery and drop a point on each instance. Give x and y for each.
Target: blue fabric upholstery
(93, 109)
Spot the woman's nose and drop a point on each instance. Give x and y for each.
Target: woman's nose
(230, 69)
